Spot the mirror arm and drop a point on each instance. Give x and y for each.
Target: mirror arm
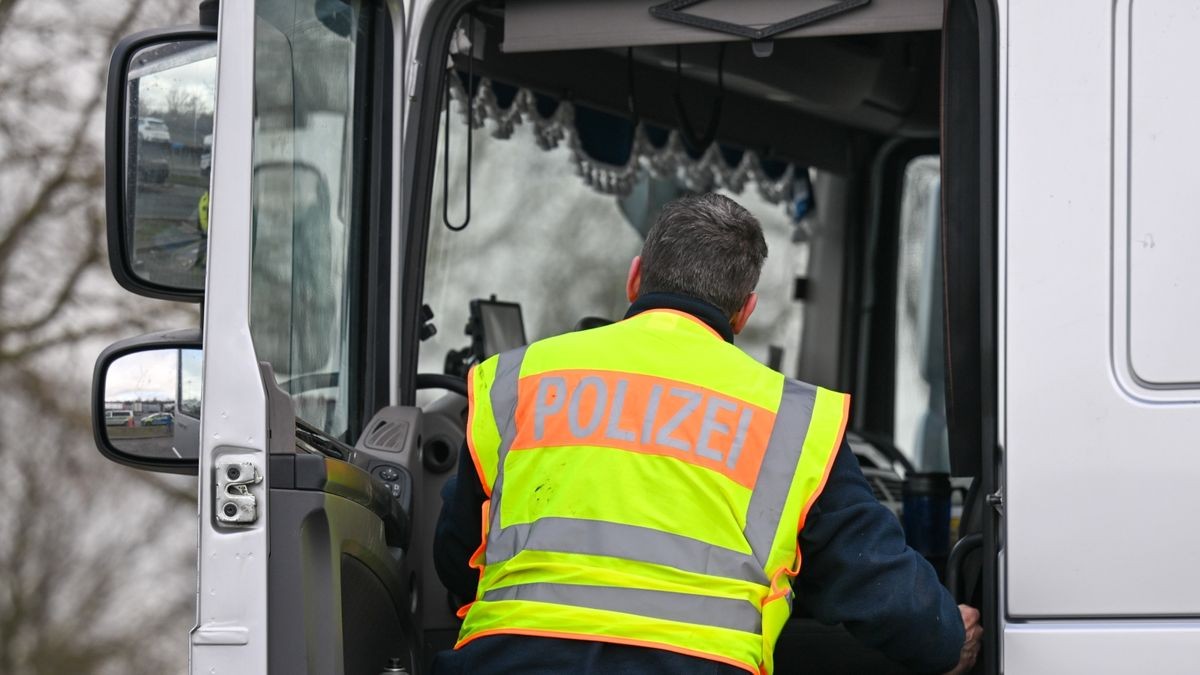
(209, 11)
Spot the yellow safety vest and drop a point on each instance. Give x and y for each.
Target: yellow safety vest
(202, 207)
(646, 482)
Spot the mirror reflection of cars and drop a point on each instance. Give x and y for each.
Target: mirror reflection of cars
(206, 156)
(153, 129)
(118, 418)
(158, 419)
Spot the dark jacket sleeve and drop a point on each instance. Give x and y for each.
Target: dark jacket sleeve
(459, 530)
(858, 571)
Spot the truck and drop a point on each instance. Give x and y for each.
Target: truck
(978, 214)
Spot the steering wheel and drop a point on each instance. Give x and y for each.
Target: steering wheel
(439, 453)
(440, 381)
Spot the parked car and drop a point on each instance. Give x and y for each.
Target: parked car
(206, 156)
(118, 418)
(153, 129)
(158, 419)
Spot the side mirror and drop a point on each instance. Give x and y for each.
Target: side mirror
(158, 147)
(146, 401)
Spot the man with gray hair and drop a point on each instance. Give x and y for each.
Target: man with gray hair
(648, 492)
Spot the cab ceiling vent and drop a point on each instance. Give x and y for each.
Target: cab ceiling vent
(553, 25)
(671, 11)
(387, 436)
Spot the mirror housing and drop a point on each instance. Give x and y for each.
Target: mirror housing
(155, 144)
(160, 436)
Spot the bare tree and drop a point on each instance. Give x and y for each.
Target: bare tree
(52, 170)
(86, 585)
(95, 559)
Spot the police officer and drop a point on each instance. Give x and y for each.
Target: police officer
(646, 498)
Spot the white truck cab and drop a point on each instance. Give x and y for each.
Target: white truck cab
(979, 220)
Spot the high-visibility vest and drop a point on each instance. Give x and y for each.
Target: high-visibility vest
(202, 210)
(646, 483)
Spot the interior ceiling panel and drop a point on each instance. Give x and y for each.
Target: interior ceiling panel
(541, 25)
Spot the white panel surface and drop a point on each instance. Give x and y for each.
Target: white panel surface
(540, 25)
(1102, 648)
(231, 589)
(1163, 227)
(1099, 481)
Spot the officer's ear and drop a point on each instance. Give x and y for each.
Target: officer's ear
(634, 282)
(738, 321)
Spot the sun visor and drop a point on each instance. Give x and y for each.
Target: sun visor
(544, 25)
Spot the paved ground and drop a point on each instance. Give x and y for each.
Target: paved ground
(148, 447)
(144, 441)
(168, 244)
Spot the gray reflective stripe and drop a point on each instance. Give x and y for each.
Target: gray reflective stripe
(683, 607)
(628, 542)
(503, 395)
(778, 466)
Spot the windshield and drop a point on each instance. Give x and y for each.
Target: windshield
(540, 236)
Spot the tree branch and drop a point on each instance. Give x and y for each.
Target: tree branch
(61, 177)
(6, 11)
(91, 256)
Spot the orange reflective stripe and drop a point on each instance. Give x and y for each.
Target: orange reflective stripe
(476, 561)
(777, 590)
(534, 632)
(643, 414)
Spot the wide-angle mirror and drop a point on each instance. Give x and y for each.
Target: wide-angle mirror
(159, 172)
(151, 405)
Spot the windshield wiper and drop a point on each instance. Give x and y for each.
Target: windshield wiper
(314, 438)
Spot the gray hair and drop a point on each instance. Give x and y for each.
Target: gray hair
(705, 246)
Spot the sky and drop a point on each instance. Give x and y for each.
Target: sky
(196, 77)
(148, 375)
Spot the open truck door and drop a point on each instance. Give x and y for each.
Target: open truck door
(304, 550)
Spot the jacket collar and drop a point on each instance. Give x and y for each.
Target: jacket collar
(700, 309)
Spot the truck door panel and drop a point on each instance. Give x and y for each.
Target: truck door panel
(339, 574)
(1101, 468)
(338, 587)
(434, 438)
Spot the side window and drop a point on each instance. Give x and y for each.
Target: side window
(919, 423)
(308, 177)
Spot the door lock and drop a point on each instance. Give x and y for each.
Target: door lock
(236, 505)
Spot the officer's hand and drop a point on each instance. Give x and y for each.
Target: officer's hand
(970, 648)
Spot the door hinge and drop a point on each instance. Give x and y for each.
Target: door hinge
(236, 505)
(996, 501)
